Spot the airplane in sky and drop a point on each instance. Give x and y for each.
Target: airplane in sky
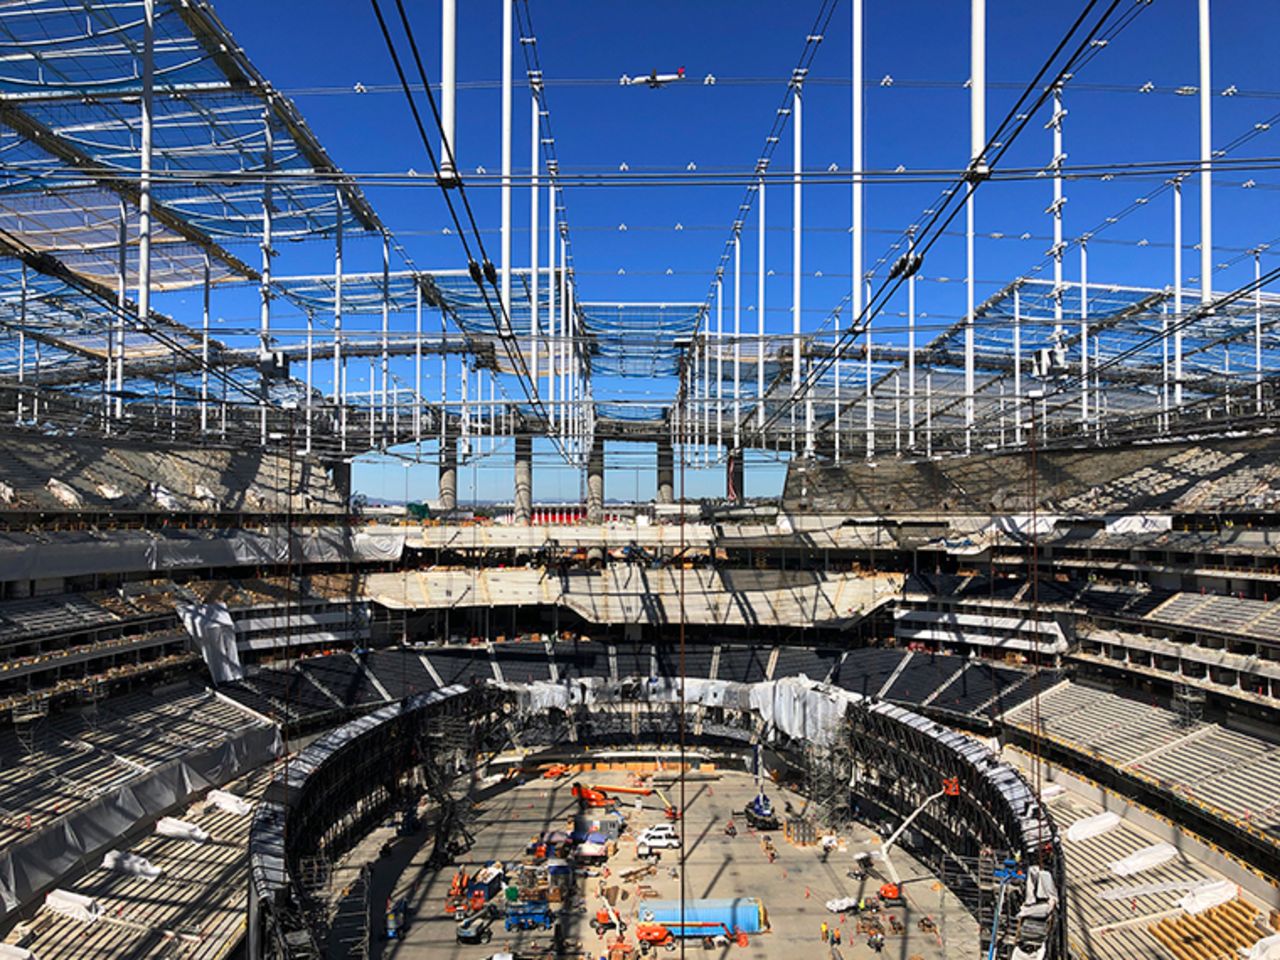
(654, 80)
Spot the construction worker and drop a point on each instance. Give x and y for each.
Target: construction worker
(835, 936)
(824, 931)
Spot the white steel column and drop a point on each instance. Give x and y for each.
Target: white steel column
(564, 336)
(448, 88)
(22, 344)
(1017, 363)
(1055, 209)
(911, 345)
(1257, 331)
(857, 215)
(535, 141)
(264, 287)
(417, 364)
(444, 380)
(115, 337)
(337, 299)
(737, 341)
(311, 322)
(505, 244)
(1177, 293)
(1084, 333)
(144, 186)
(719, 366)
(760, 328)
(1206, 161)
(204, 350)
(551, 304)
(386, 321)
(797, 221)
(977, 143)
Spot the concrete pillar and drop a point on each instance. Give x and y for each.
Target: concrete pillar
(666, 472)
(595, 483)
(523, 511)
(735, 473)
(449, 473)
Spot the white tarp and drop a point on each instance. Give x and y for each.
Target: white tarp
(74, 905)
(181, 830)
(710, 693)
(136, 865)
(799, 708)
(1050, 790)
(1268, 948)
(64, 494)
(1094, 826)
(229, 803)
(1144, 859)
(163, 498)
(214, 631)
(1207, 896)
(1142, 523)
(10, 952)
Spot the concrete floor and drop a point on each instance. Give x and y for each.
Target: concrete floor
(793, 888)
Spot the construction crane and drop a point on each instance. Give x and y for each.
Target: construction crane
(892, 889)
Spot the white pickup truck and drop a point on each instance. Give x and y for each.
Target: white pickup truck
(661, 836)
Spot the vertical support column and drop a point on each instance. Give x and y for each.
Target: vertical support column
(928, 414)
(444, 375)
(1206, 160)
(505, 244)
(1017, 363)
(977, 142)
(311, 322)
(204, 351)
(144, 187)
(1084, 333)
(797, 223)
(595, 482)
(760, 325)
(417, 364)
(551, 304)
(719, 366)
(386, 324)
(448, 89)
(911, 345)
(522, 511)
(1177, 293)
(858, 306)
(666, 472)
(737, 339)
(535, 130)
(734, 476)
(564, 337)
(264, 285)
(1257, 331)
(337, 298)
(448, 472)
(22, 345)
(1055, 209)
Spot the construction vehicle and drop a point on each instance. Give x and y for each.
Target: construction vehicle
(396, 918)
(669, 809)
(457, 892)
(555, 771)
(607, 918)
(532, 915)
(654, 935)
(593, 797)
(891, 890)
(760, 815)
(477, 928)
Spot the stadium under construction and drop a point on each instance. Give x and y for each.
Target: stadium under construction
(940, 634)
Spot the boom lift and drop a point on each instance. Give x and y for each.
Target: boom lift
(892, 890)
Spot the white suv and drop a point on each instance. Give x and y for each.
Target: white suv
(661, 836)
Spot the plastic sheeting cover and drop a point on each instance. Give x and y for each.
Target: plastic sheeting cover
(1094, 826)
(74, 905)
(214, 631)
(181, 830)
(9, 952)
(1268, 948)
(799, 708)
(1207, 896)
(1144, 859)
(229, 803)
(136, 865)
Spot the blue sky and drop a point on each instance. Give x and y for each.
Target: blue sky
(920, 121)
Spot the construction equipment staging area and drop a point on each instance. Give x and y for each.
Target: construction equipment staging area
(793, 888)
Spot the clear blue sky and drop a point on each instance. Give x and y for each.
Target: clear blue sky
(318, 51)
